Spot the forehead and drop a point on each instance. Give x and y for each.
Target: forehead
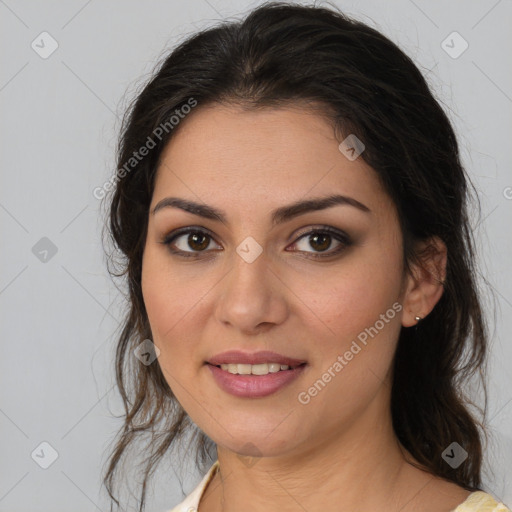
(229, 154)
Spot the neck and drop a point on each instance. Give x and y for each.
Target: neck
(359, 469)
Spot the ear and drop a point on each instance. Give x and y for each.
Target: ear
(424, 284)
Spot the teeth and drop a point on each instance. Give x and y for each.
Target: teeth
(254, 369)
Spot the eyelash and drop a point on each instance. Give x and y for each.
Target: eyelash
(339, 236)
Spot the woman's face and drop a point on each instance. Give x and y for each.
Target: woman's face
(250, 284)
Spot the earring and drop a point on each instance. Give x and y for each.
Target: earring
(417, 318)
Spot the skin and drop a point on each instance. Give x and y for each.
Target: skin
(339, 451)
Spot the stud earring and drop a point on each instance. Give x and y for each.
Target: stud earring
(417, 318)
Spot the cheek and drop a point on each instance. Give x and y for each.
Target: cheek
(351, 360)
(165, 301)
(176, 311)
(358, 315)
(354, 296)
(167, 318)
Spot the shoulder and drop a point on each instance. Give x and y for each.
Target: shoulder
(480, 501)
(191, 502)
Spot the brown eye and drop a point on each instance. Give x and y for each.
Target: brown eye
(198, 241)
(320, 240)
(188, 242)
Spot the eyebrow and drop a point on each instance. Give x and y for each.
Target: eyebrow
(280, 215)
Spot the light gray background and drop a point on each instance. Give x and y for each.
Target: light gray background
(59, 123)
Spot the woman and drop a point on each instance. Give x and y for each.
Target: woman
(293, 215)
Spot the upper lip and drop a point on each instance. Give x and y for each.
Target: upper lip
(265, 356)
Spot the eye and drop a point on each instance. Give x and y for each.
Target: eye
(321, 239)
(198, 240)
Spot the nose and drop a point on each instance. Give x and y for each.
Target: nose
(252, 298)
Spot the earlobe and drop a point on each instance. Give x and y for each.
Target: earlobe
(425, 282)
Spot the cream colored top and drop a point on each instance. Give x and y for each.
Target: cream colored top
(477, 501)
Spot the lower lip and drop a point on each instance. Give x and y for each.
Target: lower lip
(254, 386)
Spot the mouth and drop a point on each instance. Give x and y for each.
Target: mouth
(254, 374)
(254, 380)
(256, 369)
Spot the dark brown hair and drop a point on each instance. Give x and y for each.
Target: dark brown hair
(285, 54)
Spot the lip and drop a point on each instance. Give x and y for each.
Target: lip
(265, 356)
(254, 386)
